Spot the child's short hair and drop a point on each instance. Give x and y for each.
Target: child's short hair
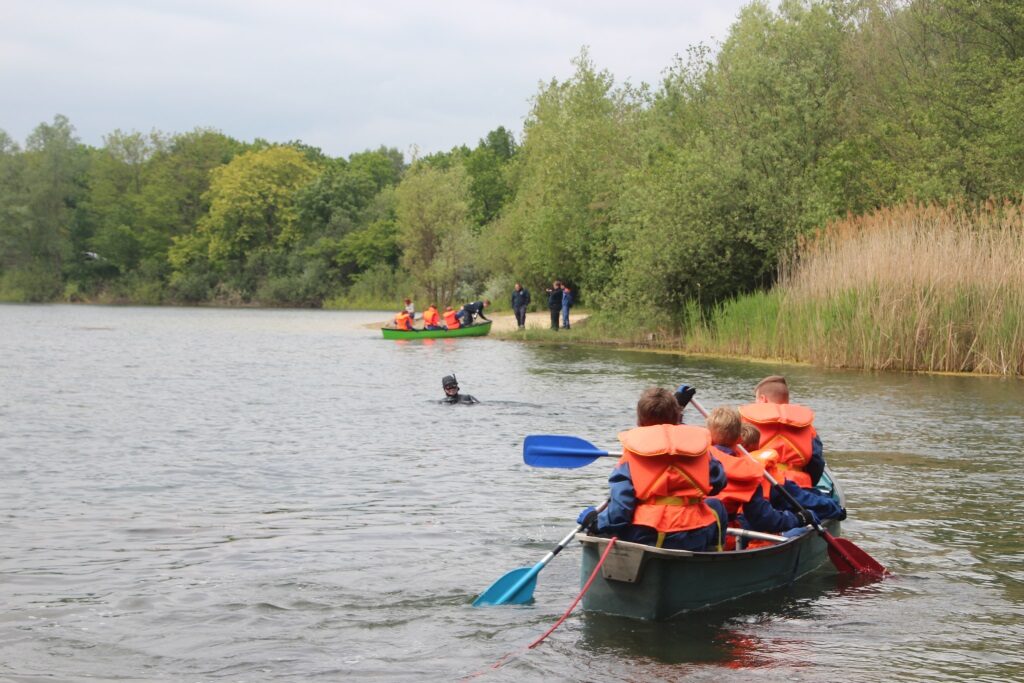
(774, 388)
(657, 406)
(724, 424)
(750, 436)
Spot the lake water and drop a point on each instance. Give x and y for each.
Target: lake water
(263, 495)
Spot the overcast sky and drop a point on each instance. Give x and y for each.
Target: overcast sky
(340, 75)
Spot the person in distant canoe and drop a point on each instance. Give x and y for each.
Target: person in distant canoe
(451, 391)
(403, 320)
(431, 318)
(744, 494)
(520, 300)
(473, 310)
(451, 318)
(661, 488)
(788, 429)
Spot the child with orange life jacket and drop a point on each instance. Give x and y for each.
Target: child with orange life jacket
(403, 320)
(451, 318)
(660, 490)
(431, 318)
(818, 502)
(788, 429)
(744, 495)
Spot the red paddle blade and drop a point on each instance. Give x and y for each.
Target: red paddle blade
(849, 559)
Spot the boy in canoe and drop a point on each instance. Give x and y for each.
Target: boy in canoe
(659, 492)
(818, 502)
(431, 318)
(788, 429)
(744, 494)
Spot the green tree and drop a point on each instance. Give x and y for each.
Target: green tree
(434, 228)
(54, 168)
(252, 221)
(490, 187)
(581, 138)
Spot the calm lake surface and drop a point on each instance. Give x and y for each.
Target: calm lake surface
(264, 495)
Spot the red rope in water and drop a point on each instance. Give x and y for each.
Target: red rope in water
(565, 616)
(579, 597)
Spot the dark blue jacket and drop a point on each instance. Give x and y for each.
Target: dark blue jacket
(475, 308)
(555, 299)
(520, 298)
(816, 465)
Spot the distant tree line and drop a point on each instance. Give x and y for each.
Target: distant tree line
(649, 199)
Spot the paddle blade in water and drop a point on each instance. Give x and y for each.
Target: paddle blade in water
(552, 450)
(497, 594)
(850, 559)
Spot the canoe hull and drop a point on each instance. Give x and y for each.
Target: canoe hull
(644, 582)
(477, 330)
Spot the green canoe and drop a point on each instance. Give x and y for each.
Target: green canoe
(475, 330)
(645, 582)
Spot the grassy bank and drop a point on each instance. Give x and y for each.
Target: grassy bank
(913, 288)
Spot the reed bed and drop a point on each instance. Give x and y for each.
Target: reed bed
(914, 287)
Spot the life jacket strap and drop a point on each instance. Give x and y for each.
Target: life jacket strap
(677, 501)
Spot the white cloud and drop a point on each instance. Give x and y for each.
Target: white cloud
(343, 76)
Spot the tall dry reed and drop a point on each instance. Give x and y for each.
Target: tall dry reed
(914, 287)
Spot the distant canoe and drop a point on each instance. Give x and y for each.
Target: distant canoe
(476, 330)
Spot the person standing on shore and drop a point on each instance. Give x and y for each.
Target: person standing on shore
(567, 302)
(520, 300)
(555, 302)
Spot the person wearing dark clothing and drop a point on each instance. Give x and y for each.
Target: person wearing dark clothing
(520, 300)
(555, 302)
(472, 310)
(451, 391)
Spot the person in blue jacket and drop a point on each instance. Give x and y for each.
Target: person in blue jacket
(743, 497)
(567, 302)
(658, 407)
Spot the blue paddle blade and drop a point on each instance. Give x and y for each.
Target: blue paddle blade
(553, 450)
(498, 593)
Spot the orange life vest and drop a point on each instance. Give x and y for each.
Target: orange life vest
(744, 478)
(769, 459)
(430, 316)
(670, 469)
(403, 321)
(450, 320)
(787, 428)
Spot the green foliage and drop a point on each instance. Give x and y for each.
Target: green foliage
(434, 229)
(252, 222)
(664, 205)
(581, 138)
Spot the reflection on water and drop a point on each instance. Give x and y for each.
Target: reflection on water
(190, 494)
